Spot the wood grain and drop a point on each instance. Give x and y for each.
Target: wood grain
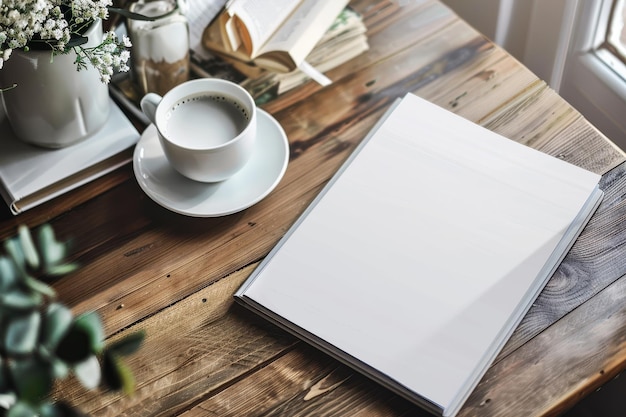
(588, 268)
(174, 276)
(207, 345)
(560, 365)
(299, 383)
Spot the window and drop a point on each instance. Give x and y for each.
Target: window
(594, 75)
(616, 32)
(612, 49)
(577, 46)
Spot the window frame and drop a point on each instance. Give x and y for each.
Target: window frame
(591, 80)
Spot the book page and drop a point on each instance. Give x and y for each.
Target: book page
(199, 14)
(305, 27)
(261, 18)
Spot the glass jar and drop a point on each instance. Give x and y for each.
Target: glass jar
(160, 51)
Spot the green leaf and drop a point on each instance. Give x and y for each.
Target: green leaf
(136, 16)
(59, 368)
(21, 409)
(117, 376)
(128, 380)
(77, 41)
(38, 286)
(91, 324)
(28, 247)
(9, 275)
(88, 372)
(127, 345)
(19, 300)
(50, 410)
(14, 250)
(52, 251)
(59, 409)
(57, 322)
(110, 375)
(74, 347)
(63, 269)
(21, 334)
(32, 379)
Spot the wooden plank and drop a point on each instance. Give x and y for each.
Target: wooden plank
(192, 348)
(304, 382)
(526, 110)
(61, 204)
(597, 259)
(540, 118)
(561, 365)
(156, 267)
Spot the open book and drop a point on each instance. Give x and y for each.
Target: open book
(422, 254)
(272, 34)
(343, 41)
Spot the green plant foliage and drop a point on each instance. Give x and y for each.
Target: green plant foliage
(90, 324)
(32, 379)
(21, 333)
(117, 376)
(57, 322)
(40, 339)
(59, 409)
(88, 372)
(127, 346)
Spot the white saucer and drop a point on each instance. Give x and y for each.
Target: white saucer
(247, 187)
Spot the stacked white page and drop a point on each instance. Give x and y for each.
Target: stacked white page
(418, 260)
(30, 175)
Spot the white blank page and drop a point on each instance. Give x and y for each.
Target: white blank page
(416, 258)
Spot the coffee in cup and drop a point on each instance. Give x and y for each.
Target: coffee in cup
(207, 127)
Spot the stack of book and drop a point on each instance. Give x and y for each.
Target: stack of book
(30, 175)
(323, 35)
(344, 40)
(273, 34)
(285, 43)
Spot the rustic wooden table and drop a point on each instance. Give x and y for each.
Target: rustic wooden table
(174, 276)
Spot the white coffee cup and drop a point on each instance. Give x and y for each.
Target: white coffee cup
(207, 127)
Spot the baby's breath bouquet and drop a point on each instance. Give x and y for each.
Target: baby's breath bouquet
(58, 25)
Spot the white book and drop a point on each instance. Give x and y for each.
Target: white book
(31, 175)
(423, 253)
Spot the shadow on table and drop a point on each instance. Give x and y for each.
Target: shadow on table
(608, 401)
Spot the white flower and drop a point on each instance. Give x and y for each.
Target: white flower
(23, 20)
